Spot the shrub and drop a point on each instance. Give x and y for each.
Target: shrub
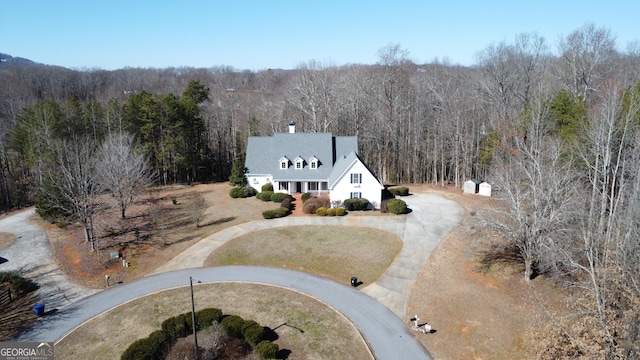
(311, 205)
(331, 212)
(235, 192)
(306, 196)
(384, 206)
(178, 326)
(253, 333)
(206, 317)
(400, 191)
(321, 211)
(19, 284)
(242, 192)
(276, 213)
(278, 197)
(356, 204)
(151, 347)
(265, 195)
(267, 187)
(397, 206)
(267, 350)
(248, 192)
(232, 325)
(287, 203)
(340, 212)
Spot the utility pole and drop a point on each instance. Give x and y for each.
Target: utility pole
(193, 317)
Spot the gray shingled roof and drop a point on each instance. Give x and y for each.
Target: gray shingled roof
(342, 165)
(264, 154)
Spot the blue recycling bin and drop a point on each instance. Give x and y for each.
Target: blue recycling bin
(39, 309)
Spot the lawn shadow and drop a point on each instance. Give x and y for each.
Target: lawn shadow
(219, 221)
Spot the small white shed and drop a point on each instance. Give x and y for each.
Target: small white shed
(471, 186)
(484, 189)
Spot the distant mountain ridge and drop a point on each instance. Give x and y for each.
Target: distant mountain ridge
(6, 59)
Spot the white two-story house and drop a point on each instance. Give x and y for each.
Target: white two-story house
(311, 162)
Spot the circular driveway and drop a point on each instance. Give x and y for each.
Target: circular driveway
(378, 311)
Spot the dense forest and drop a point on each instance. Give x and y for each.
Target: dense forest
(554, 127)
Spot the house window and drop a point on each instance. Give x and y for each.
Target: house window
(299, 165)
(283, 185)
(324, 186)
(313, 186)
(356, 195)
(283, 165)
(356, 178)
(314, 165)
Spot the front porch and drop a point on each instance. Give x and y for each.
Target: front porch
(296, 187)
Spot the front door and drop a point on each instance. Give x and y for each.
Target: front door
(298, 188)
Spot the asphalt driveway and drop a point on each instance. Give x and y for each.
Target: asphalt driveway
(30, 256)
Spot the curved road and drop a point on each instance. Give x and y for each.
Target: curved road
(30, 255)
(387, 335)
(379, 316)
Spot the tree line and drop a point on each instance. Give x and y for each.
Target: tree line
(555, 130)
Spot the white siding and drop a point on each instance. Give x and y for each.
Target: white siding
(469, 187)
(256, 181)
(370, 188)
(485, 189)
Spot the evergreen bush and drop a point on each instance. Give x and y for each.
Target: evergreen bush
(278, 197)
(340, 212)
(331, 212)
(253, 332)
(235, 192)
(156, 344)
(232, 325)
(177, 326)
(206, 317)
(306, 196)
(397, 206)
(400, 191)
(267, 187)
(265, 195)
(356, 204)
(276, 213)
(267, 350)
(242, 192)
(321, 211)
(149, 348)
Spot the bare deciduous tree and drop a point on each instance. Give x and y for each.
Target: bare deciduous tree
(197, 207)
(536, 180)
(122, 170)
(76, 182)
(585, 59)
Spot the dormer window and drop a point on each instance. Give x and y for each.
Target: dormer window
(313, 163)
(284, 163)
(299, 162)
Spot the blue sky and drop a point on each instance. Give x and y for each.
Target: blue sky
(257, 35)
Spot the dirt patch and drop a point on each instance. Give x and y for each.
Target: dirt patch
(477, 313)
(157, 227)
